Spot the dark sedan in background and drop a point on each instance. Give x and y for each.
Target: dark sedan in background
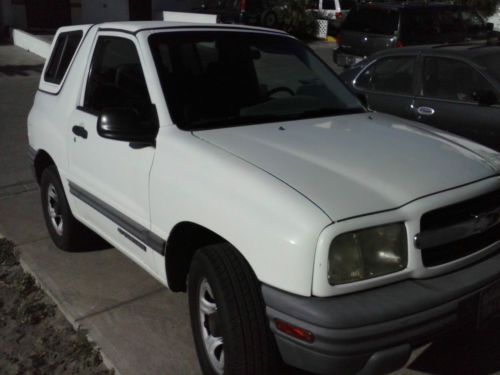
(452, 87)
(377, 26)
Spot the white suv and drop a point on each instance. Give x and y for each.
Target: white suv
(230, 161)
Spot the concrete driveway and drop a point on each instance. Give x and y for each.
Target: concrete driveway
(140, 326)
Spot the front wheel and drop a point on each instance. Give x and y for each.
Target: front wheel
(228, 319)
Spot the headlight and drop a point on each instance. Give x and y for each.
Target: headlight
(367, 253)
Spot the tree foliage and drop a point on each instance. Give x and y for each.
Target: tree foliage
(485, 7)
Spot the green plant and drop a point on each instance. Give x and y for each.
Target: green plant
(295, 18)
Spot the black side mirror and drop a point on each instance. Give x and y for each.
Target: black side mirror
(125, 124)
(490, 26)
(485, 97)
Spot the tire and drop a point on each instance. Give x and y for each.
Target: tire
(269, 19)
(64, 229)
(233, 316)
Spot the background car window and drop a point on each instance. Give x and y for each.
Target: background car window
(392, 75)
(116, 78)
(445, 78)
(372, 20)
(347, 4)
(491, 61)
(431, 26)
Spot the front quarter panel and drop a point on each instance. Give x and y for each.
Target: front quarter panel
(273, 226)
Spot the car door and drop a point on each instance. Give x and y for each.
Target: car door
(109, 179)
(448, 100)
(388, 84)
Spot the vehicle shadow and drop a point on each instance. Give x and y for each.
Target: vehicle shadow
(20, 70)
(464, 352)
(89, 241)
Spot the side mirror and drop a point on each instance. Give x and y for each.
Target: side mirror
(485, 97)
(490, 26)
(125, 124)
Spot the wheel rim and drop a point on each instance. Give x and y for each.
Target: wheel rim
(54, 209)
(210, 331)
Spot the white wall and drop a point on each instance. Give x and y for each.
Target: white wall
(96, 11)
(496, 20)
(13, 14)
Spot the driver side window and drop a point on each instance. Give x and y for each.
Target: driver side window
(116, 78)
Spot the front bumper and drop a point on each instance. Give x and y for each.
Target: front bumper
(374, 331)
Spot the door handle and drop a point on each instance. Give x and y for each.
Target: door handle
(80, 131)
(426, 111)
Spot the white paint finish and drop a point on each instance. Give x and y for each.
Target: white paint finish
(136, 26)
(31, 43)
(410, 215)
(190, 17)
(273, 226)
(351, 165)
(226, 181)
(49, 86)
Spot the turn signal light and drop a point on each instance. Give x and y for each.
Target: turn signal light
(294, 331)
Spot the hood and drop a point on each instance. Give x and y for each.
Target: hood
(358, 164)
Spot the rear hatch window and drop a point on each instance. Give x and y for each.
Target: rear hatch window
(347, 4)
(344, 4)
(437, 25)
(372, 20)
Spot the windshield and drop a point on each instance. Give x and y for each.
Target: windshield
(222, 79)
(491, 62)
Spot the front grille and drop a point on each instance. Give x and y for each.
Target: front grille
(454, 214)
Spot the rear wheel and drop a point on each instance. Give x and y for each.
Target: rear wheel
(228, 319)
(63, 228)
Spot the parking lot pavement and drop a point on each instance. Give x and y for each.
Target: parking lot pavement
(325, 51)
(140, 326)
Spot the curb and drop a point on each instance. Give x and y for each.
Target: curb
(69, 317)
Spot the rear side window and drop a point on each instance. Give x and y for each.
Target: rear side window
(451, 79)
(62, 54)
(392, 75)
(372, 20)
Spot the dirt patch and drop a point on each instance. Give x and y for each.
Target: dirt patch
(35, 338)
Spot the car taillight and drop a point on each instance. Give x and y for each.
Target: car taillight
(243, 5)
(399, 44)
(339, 39)
(339, 15)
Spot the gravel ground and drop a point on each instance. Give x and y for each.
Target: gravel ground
(35, 338)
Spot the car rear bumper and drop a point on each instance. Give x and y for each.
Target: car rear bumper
(345, 59)
(374, 331)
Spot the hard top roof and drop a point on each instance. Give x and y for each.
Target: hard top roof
(137, 26)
